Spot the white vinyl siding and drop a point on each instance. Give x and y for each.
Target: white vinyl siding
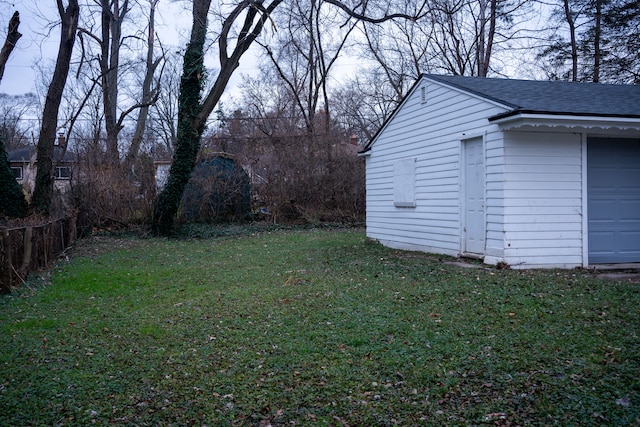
(542, 200)
(431, 133)
(494, 195)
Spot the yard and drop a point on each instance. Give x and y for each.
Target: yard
(313, 328)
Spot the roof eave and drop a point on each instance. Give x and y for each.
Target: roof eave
(520, 119)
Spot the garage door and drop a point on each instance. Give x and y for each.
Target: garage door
(613, 191)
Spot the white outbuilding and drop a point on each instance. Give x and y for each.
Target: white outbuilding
(531, 174)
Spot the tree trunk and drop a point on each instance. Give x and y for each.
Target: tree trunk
(189, 133)
(43, 191)
(490, 37)
(574, 44)
(192, 114)
(112, 17)
(481, 38)
(6, 267)
(10, 42)
(596, 42)
(148, 94)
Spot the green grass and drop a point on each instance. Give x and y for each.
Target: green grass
(314, 328)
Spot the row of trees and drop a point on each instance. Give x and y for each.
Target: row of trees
(128, 99)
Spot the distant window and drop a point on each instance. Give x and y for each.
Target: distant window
(404, 183)
(423, 94)
(17, 172)
(63, 172)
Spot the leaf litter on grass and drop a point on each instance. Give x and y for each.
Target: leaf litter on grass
(315, 328)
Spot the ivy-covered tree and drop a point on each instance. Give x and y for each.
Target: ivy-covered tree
(192, 112)
(189, 133)
(241, 24)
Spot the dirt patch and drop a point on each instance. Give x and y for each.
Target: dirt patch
(97, 245)
(626, 276)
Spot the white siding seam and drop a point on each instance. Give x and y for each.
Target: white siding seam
(585, 213)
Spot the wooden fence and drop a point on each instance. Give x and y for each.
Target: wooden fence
(32, 247)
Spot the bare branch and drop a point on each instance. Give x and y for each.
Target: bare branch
(12, 38)
(362, 17)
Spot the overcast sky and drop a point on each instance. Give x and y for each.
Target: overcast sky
(40, 38)
(19, 75)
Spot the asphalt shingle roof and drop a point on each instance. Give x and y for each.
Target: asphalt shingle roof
(23, 155)
(552, 97)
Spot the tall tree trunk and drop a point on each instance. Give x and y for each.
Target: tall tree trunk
(148, 94)
(481, 37)
(485, 37)
(189, 132)
(43, 191)
(112, 17)
(490, 38)
(574, 44)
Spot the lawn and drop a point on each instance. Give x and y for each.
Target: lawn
(313, 328)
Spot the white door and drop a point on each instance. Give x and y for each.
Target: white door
(474, 215)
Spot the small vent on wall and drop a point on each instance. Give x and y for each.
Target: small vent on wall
(423, 94)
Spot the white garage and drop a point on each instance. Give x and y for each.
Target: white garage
(531, 174)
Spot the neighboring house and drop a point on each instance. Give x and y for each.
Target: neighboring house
(532, 174)
(24, 166)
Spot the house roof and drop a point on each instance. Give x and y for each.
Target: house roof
(552, 97)
(24, 155)
(541, 97)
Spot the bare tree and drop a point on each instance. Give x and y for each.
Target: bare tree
(110, 37)
(164, 114)
(43, 190)
(250, 17)
(306, 50)
(597, 36)
(363, 104)
(14, 110)
(149, 93)
(401, 50)
(455, 37)
(268, 105)
(573, 42)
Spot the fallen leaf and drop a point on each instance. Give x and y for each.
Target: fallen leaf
(625, 402)
(495, 416)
